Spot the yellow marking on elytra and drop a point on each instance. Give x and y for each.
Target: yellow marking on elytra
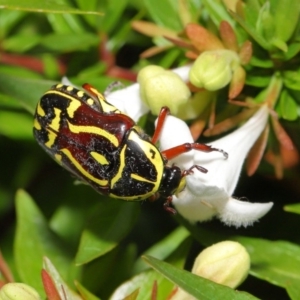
(37, 125)
(90, 101)
(95, 130)
(121, 167)
(107, 107)
(70, 88)
(51, 139)
(99, 158)
(152, 154)
(40, 111)
(140, 178)
(59, 85)
(80, 94)
(58, 158)
(82, 170)
(74, 103)
(55, 122)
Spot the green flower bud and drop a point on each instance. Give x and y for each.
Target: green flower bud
(18, 291)
(159, 87)
(227, 263)
(213, 70)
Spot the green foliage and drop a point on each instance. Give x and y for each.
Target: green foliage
(91, 244)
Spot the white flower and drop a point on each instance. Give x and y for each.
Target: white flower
(210, 194)
(205, 195)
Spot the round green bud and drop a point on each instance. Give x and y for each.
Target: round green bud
(159, 87)
(227, 263)
(18, 291)
(213, 70)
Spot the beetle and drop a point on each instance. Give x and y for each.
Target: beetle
(105, 148)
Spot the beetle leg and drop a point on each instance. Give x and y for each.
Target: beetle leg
(167, 206)
(160, 123)
(175, 151)
(190, 170)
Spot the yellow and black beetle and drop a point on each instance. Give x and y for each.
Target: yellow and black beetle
(106, 149)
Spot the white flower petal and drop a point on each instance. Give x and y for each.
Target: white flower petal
(192, 208)
(225, 173)
(175, 132)
(241, 213)
(128, 101)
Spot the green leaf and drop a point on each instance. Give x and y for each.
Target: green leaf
(293, 208)
(292, 51)
(16, 125)
(88, 5)
(286, 16)
(66, 23)
(218, 12)
(113, 13)
(70, 42)
(196, 286)
(157, 9)
(108, 225)
(251, 31)
(50, 6)
(165, 247)
(274, 261)
(252, 10)
(258, 81)
(27, 91)
(261, 62)
(9, 19)
(20, 43)
(288, 106)
(33, 241)
(144, 282)
(62, 288)
(85, 293)
(291, 79)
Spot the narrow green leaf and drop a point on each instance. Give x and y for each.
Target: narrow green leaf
(157, 9)
(108, 225)
(251, 31)
(218, 12)
(33, 241)
(293, 208)
(286, 16)
(258, 81)
(70, 42)
(277, 262)
(90, 5)
(85, 293)
(144, 282)
(16, 125)
(293, 289)
(66, 23)
(288, 106)
(261, 62)
(291, 79)
(165, 247)
(251, 11)
(61, 287)
(196, 286)
(113, 13)
(27, 91)
(20, 43)
(51, 6)
(9, 19)
(293, 50)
